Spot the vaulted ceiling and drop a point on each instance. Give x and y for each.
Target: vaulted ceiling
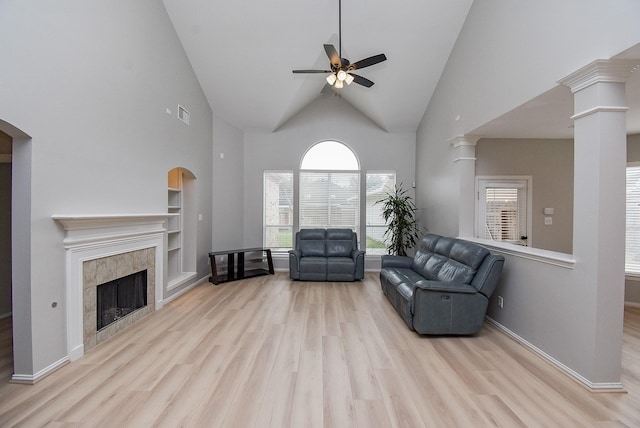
(243, 52)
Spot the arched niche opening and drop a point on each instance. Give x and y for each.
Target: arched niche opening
(181, 227)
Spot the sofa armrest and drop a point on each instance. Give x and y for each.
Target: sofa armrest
(294, 263)
(447, 287)
(396, 261)
(357, 253)
(358, 258)
(488, 275)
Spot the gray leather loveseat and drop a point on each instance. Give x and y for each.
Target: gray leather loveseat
(445, 288)
(326, 255)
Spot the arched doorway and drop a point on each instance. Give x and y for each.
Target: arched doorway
(20, 250)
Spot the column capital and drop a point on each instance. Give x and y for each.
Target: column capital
(600, 70)
(463, 140)
(464, 147)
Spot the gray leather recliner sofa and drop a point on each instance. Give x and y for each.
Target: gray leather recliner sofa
(326, 255)
(445, 288)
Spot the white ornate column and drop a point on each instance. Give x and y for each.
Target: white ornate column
(599, 207)
(464, 159)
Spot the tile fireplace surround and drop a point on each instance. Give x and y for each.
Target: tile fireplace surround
(104, 269)
(100, 248)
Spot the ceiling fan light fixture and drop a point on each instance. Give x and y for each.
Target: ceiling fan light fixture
(349, 79)
(338, 84)
(331, 79)
(341, 75)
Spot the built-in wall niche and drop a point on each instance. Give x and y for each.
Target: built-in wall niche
(181, 227)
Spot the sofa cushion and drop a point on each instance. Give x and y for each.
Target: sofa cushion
(311, 242)
(448, 259)
(341, 269)
(339, 242)
(340, 265)
(463, 262)
(313, 268)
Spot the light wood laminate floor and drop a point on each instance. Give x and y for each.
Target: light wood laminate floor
(268, 352)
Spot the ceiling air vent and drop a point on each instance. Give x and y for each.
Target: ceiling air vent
(184, 115)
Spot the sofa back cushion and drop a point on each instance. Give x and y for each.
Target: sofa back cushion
(448, 259)
(341, 242)
(311, 242)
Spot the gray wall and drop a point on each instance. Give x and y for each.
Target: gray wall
(550, 164)
(228, 186)
(5, 226)
(327, 118)
(90, 83)
(502, 59)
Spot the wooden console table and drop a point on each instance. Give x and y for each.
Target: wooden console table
(244, 268)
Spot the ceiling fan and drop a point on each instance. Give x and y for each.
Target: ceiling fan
(341, 71)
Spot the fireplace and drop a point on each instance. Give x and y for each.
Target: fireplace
(117, 308)
(101, 249)
(118, 298)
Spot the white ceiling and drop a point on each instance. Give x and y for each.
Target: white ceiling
(243, 52)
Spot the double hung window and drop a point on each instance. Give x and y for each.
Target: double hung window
(278, 210)
(379, 185)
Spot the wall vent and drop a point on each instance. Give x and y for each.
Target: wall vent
(184, 115)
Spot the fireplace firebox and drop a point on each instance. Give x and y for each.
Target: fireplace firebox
(120, 297)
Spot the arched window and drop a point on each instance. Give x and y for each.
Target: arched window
(330, 156)
(329, 193)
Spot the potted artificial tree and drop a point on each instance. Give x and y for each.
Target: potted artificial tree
(399, 212)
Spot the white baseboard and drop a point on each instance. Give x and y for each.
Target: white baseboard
(3, 316)
(592, 386)
(632, 304)
(184, 290)
(31, 379)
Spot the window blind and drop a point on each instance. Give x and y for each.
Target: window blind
(378, 185)
(278, 210)
(632, 235)
(330, 200)
(503, 213)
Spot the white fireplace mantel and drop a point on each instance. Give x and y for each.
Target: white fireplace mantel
(85, 229)
(88, 237)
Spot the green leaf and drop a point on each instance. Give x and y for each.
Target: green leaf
(399, 212)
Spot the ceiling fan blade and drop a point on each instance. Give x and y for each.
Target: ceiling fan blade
(310, 71)
(362, 81)
(367, 62)
(332, 53)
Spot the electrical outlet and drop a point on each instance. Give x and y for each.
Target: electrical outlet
(500, 302)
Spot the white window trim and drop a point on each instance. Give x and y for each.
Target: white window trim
(505, 180)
